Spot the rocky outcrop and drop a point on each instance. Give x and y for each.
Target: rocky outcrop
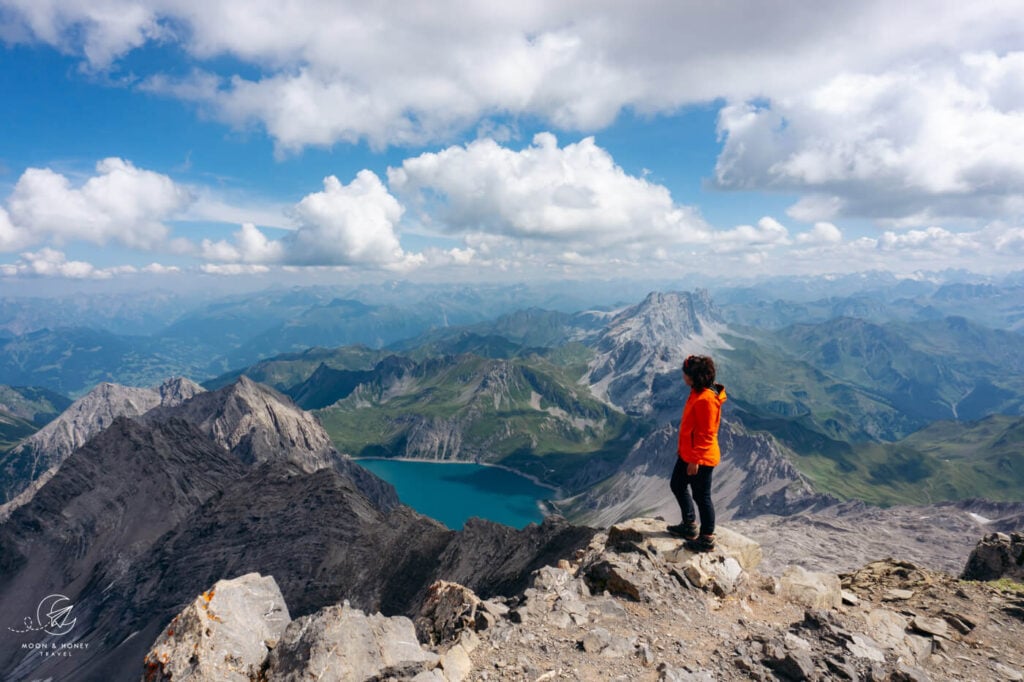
(225, 634)
(898, 621)
(240, 630)
(83, 419)
(177, 390)
(997, 555)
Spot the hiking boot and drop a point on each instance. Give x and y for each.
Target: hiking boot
(684, 530)
(704, 543)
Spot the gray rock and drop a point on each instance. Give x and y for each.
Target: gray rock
(456, 663)
(930, 626)
(997, 555)
(898, 594)
(339, 643)
(596, 640)
(864, 647)
(617, 577)
(908, 673)
(790, 663)
(812, 589)
(841, 668)
(1007, 673)
(224, 635)
(713, 571)
(887, 627)
(551, 578)
(448, 609)
(667, 673)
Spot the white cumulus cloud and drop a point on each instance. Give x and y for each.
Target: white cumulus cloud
(572, 194)
(52, 263)
(821, 233)
(908, 147)
(343, 225)
(232, 269)
(120, 203)
(350, 224)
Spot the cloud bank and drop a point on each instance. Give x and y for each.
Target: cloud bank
(906, 117)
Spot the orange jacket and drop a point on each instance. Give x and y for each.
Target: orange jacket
(698, 429)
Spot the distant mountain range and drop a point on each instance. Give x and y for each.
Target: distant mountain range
(542, 390)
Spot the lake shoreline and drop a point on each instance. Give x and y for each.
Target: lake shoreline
(531, 478)
(511, 485)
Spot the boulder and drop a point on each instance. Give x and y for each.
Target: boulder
(997, 555)
(340, 643)
(225, 634)
(448, 609)
(652, 535)
(720, 574)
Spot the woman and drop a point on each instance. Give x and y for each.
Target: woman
(698, 453)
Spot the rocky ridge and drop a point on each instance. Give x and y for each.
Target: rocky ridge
(633, 605)
(257, 424)
(84, 418)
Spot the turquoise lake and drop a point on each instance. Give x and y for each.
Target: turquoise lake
(452, 493)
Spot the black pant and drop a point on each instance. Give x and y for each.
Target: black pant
(700, 484)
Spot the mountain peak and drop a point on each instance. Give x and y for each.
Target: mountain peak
(650, 338)
(177, 390)
(257, 424)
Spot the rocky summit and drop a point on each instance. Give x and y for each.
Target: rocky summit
(634, 604)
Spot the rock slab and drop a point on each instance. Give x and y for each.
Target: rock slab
(224, 635)
(339, 643)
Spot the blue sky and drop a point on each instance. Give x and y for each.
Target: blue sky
(151, 141)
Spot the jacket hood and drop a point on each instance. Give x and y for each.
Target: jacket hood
(719, 391)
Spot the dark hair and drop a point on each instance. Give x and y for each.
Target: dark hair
(701, 370)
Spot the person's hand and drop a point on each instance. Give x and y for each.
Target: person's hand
(691, 469)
